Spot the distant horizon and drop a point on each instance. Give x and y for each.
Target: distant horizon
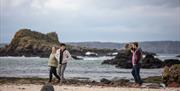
(113, 41)
(64, 40)
(124, 42)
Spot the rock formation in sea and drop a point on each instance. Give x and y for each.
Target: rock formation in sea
(170, 62)
(31, 43)
(124, 56)
(178, 56)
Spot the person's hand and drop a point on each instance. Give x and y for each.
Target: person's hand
(132, 51)
(59, 65)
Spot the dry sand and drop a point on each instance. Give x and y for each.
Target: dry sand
(33, 87)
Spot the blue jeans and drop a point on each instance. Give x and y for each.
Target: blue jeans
(61, 70)
(135, 72)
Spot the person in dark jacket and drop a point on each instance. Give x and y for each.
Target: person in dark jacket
(136, 58)
(63, 56)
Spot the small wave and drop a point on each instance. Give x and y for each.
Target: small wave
(97, 58)
(19, 57)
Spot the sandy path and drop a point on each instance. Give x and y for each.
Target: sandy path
(32, 87)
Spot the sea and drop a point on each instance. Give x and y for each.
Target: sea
(88, 68)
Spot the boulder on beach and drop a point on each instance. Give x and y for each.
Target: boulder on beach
(171, 75)
(47, 87)
(120, 82)
(115, 82)
(105, 81)
(170, 62)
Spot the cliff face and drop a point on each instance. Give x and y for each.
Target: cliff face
(30, 43)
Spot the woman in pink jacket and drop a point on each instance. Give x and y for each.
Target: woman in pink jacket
(136, 58)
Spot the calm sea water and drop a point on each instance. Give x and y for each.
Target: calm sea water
(87, 68)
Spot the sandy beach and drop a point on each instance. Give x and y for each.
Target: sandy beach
(32, 87)
(35, 84)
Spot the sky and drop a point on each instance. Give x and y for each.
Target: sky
(93, 20)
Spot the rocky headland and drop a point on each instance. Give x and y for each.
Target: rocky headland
(30, 43)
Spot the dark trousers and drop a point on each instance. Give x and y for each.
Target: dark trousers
(51, 72)
(135, 72)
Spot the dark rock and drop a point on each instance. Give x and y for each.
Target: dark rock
(105, 81)
(123, 60)
(47, 87)
(170, 62)
(178, 56)
(30, 43)
(150, 62)
(120, 82)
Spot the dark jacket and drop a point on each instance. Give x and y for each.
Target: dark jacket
(137, 56)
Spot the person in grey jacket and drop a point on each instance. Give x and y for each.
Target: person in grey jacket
(63, 56)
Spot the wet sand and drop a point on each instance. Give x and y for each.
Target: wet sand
(35, 84)
(33, 87)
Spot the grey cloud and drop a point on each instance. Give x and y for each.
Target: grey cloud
(97, 19)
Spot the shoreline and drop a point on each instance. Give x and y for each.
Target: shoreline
(35, 84)
(76, 82)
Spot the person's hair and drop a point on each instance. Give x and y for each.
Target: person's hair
(126, 46)
(136, 44)
(62, 44)
(53, 49)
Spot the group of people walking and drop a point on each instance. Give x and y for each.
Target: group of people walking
(59, 58)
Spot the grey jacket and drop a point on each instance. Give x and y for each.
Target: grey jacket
(66, 56)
